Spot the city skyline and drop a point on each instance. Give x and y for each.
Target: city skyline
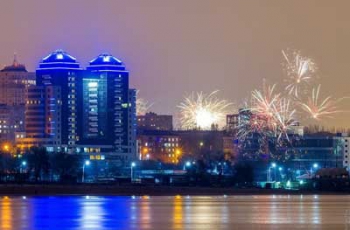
(174, 114)
(183, 51)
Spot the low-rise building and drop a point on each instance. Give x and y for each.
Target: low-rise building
(153, 121)
(159, 145)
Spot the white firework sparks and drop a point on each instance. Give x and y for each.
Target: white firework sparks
(263, 101)
(320, 108)
(201, 110)
(269, 115)
(142, 106)
(284, 117)
(300, 71)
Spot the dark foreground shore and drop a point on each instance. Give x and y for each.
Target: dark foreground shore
(138, 190)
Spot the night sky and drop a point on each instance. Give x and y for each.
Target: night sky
(175, 47)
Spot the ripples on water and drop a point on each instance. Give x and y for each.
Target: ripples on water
(178, 212)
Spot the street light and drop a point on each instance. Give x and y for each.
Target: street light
(280, 169)
(187, 164)
(289, 184)
(86, 163)
(23, 164)
(314, 166)
(6, 147)
(273, 165)
(132, 166)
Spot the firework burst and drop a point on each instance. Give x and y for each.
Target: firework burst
(284, 117)
(263, 100)
(320, 108)
(201, 110)
(269, 116)
(142, 106)
(300, 71)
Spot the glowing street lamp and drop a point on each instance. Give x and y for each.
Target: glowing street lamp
(314, 166)
(23, 164)
(144, 153)
(132, 166)
(187, 165)
(273, 165)
(178, 152)
(6, 147)
(289, 184)
(86, 163)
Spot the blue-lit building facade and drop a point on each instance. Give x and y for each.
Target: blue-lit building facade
(105, 108)
(85, 111)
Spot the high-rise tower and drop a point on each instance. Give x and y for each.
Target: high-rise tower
(14, 80)
(91, 112)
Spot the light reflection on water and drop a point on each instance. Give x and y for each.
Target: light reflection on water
(174, 212)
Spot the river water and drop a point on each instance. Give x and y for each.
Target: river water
(175, 212)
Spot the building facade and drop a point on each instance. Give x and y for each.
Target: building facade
(163, 146)
(11, 122)
(153, 121)
(132, 122)
(90, 112)
(107, 109)
(14, 80)
(343, 145)
(232, 121)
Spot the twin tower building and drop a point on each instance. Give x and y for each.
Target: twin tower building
(88, 111)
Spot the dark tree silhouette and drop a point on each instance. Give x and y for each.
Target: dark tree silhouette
(65, 166)
(38, 162)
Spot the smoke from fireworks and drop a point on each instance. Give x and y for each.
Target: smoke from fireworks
(201, 110)
(300, 71)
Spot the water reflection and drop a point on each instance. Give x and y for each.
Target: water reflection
(176, 212)
(6, 213)
(92, 213)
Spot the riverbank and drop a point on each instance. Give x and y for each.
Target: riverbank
(138, 190)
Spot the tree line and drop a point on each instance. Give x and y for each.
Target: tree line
(36, 165)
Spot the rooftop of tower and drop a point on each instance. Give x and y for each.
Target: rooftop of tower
(106, 62)
(59, 59)
(15, 67)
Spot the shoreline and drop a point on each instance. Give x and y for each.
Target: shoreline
(137, 190)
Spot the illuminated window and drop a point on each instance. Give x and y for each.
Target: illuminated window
(106, 59)
(59, 56)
